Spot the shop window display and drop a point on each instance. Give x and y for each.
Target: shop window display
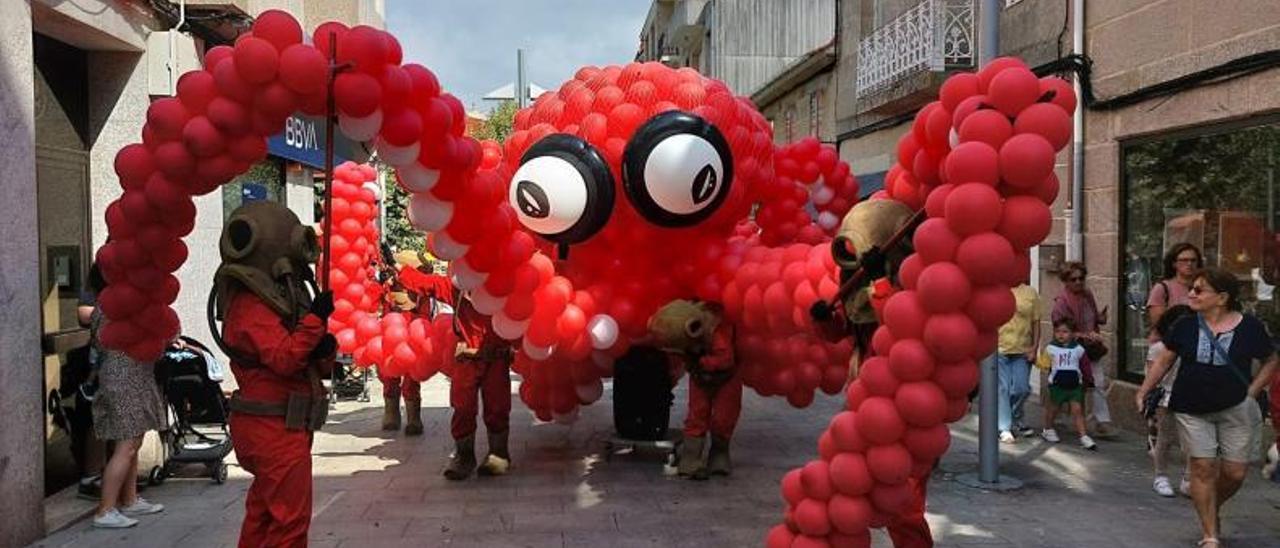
(1215, 188)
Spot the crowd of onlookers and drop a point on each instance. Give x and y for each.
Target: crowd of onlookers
(1209, 369)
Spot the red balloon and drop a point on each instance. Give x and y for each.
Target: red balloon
(779, 537)
(230, 84)
(904, 315)
(934, 241)
(892, 499)
(986, 258)
(927, 443)
(815, 478)
(366, 47)
(957, 88)
(1060, 93)
(973, 162)
(134, 165)
(909, 361)
(357, 94)
(166, 117)
(908, 147)
(216, 55)
(988, 126)
(792, 487)
(811, 517)
(972, 208)
(1013, 89)
(935, 205)
(257, 60)
(956, 379)
(921, 403)
(277, 27)
(889, 464)
(196, 89)
(882, 340)
(402, 128)
(228, 116)
(878, 377)
(202, 139)
(1026, 160)
(965, 108)
(844, 432)
(303, 69)
(174, 161)
(1025, 221)
(878, 421)
(327, 35)
(949, 337)
(849, 474)
(276, 100)
(247, 148)
(1046, 120)
(943, 287)
(991, 306)
(995, 67)
(850, 515)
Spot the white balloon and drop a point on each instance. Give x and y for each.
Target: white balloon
(361, 129)
(484, 302)
(429, 214)
(415, 178)
(445, 248)
(397, 156)
(508, 328)
(590, 392)
(828, 220)
(604, 331)
(822, 195)
(537, 353)
(566, 418)
(468, 278)
(374, 188)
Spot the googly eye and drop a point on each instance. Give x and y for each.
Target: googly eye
(677, 169)
(563, 190)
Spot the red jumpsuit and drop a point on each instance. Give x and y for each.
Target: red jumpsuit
(715, 407)
(489, 374)
(278, 505)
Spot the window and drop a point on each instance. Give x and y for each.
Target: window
(1214, 187)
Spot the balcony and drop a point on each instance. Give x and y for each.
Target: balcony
(934, 36)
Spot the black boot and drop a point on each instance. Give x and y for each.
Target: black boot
(391, 413)
(718, 462)
(463, 461)
(693, 462)
(413, 418)
(498, 462)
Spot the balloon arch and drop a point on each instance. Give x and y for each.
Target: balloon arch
(629, 187)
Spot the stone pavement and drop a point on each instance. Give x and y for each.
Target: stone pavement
(381, 489)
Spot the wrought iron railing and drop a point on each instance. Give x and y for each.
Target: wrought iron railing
(933, 36)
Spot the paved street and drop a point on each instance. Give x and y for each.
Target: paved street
(380, 489)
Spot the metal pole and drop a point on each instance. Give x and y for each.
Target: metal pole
(1075, 239)
(330, 119)
(522, 87)
(989, 31)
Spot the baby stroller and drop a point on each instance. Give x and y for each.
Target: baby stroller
(189, 378)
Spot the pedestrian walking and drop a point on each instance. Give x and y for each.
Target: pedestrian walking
(1077, 303)
(1161, 427)
(1067, 364)
(1018, 343)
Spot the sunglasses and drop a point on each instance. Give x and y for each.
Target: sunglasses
(1200, 290)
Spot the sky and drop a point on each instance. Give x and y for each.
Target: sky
(471, 44)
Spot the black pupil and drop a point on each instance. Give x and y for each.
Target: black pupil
(704, 184)
(532, 200)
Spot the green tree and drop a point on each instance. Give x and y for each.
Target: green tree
(500, 122)
(400, 234)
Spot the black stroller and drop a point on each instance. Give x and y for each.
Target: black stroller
(198, 408)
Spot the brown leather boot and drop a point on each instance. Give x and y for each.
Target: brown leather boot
(391, 413)
(413, 418)
(718, 463)
(463, 461)
(693, 463)
(498, 462)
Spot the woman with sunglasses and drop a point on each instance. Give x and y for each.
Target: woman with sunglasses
(1213, 393)
(1180, 266)
(1077, 303)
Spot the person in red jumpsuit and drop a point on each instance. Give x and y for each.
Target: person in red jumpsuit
(695, 335)
(482, 370)
(274, 333)
(423, 294)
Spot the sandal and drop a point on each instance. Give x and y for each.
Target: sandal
(1208, 542)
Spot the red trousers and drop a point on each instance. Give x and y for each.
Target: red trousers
(716, 408)
(475, 379)
(277, 509)
(910, 530)
(401, 387)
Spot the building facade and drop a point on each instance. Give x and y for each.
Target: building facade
(77, 79)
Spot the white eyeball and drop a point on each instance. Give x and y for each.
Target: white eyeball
(548, 194)
(677, 169)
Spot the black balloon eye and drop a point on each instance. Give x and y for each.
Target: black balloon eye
(677, 170)
(532, 200)
(563, 190)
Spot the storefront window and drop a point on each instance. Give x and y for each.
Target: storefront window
(263, 181)
(1216, 189)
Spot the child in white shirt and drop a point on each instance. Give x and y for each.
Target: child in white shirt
(1066, 382)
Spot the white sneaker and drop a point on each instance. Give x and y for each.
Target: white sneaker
(1184, 487)
(1163, 487)
(1050, 435)
(1006, 437)
(1087, 443)
(113, 519)
(142, 507)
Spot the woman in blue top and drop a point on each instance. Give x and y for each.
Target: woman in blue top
(1213, 393)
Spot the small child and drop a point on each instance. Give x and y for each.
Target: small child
(1161, 428)
(1066, 381)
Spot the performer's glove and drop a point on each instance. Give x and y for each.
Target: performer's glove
(327, 348)
(322, 306)
(821, 311)
(873, 263)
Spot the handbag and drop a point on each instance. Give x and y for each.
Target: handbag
(1094, 350)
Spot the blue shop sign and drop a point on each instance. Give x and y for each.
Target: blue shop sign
(253, 192)
(303, 141)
